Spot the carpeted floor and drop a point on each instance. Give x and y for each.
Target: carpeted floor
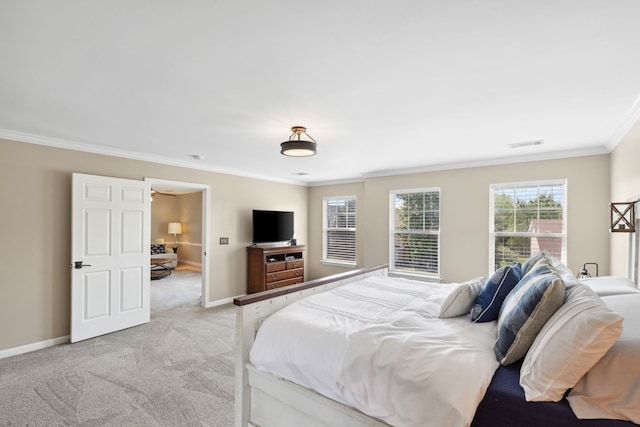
(177, 370)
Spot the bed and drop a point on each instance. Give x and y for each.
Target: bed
(331, 379)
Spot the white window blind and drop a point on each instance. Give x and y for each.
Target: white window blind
(527, 218)
(339, 230)
(415, 231)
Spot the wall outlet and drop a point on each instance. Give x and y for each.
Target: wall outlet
(224, 240)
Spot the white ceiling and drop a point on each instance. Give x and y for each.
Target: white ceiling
(381, 86)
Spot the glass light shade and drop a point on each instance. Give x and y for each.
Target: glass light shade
(298, 148)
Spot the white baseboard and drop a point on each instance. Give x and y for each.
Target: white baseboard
(223, 301)
(195, 264)
(63, 340)
(33, 347)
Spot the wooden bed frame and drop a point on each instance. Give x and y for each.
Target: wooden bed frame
(264, 400)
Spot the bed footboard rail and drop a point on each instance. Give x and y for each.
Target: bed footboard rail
(253, 309)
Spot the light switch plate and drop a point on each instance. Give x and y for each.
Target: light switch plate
(224, 240)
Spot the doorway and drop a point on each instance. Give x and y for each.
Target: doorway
(169, 187)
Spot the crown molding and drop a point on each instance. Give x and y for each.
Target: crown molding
(89, 148)
(624, 127)
(492, 162)
(132, 155)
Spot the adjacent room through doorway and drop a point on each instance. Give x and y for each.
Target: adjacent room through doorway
(179, 220)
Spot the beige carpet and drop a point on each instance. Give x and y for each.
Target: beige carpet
(177, 370)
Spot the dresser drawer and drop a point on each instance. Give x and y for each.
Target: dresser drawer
(276, 266)
(283, 275)
(296, 263)
(281, 283)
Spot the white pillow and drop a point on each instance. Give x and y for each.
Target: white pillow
(610, 388)
(577, 335)
(461, 298)
(611, 285)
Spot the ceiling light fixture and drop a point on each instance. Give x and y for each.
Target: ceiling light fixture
(298, 147)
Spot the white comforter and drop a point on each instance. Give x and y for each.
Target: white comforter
(377, 345)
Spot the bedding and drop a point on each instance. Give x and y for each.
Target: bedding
(611, 388)
(569, 344)
(504, 403)
(346, 344)
(385, 346)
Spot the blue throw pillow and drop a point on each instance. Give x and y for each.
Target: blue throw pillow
(488, 303)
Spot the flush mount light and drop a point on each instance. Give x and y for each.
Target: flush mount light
(297, 147)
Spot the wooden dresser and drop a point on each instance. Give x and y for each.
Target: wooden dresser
(274, 267)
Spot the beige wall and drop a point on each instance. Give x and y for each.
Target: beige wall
(164, 209)
(625, 186)
(465, 213)
(35, 189)
(314, 249)
(189, 214)
(187, 210)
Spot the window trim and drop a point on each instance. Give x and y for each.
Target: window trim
(392, 231)
(325, 229)
(537, 183)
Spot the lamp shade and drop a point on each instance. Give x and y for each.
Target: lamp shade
(175, 228)
(297, 147)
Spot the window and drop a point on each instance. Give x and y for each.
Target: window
(339, 230)
(415, 232)
(527, 218)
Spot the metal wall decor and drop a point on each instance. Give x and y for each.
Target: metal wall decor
(622, 217)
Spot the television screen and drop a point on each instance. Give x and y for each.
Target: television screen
(272, 226)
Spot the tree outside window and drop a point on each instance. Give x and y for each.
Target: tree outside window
(527, 218)
(415, 227)
(339, 230)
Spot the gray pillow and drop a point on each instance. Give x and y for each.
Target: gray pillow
(533, 260)
(525, 311)
(461, 298)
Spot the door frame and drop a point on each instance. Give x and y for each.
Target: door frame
(205, 189)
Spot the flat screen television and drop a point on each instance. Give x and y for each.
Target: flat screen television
(272, 226)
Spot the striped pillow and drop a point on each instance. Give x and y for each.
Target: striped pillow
(533, 260)
(525, 311)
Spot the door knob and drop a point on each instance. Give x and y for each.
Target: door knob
(78, 265)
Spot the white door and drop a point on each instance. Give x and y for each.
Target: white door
(110, 255)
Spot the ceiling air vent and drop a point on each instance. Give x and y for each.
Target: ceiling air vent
(526, 143)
